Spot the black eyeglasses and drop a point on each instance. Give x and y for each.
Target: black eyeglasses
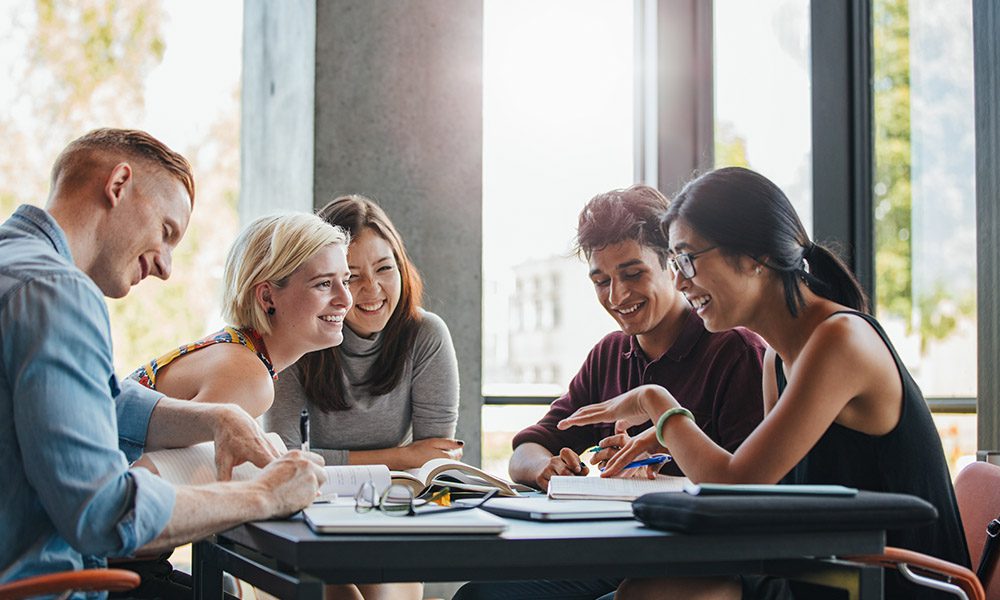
(398, 501)
(683, 263)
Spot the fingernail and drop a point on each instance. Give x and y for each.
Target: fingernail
(460, 442)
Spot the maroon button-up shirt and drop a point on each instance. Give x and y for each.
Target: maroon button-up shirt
(717, 376)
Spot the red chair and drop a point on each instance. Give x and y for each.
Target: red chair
(977, 488)
(89, 580)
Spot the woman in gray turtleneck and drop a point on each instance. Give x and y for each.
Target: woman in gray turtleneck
(389, 393)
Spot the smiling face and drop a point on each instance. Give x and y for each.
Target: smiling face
(635, 290)
(311, 306)
(724, 291)
(375, 283)
(141, 232)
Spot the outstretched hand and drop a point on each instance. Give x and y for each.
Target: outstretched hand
(634, 407)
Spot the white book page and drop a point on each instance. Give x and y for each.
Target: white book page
(569, 487)
(195, 465)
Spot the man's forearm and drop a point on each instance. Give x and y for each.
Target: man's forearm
(180, 423)
(200, 511)
(528, 460)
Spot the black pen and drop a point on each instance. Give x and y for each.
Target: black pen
(304, 429)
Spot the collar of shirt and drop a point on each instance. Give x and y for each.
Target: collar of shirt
(692, 331)
(37, 222)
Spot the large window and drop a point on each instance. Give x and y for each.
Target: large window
(924, 199)
(143, 64)
(138, 64)
(558, 129)
(762, 87)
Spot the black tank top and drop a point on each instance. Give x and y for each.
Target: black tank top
(907, 460)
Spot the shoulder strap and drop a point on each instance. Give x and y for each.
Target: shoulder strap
(989, 558)
(779, 374)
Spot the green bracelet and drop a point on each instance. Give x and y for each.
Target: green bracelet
(677, 410)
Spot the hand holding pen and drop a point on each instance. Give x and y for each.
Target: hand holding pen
(620, 452)
(658, 460)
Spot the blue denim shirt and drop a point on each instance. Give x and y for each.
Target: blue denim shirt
(67, 430)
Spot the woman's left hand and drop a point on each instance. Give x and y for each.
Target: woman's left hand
(634, 407)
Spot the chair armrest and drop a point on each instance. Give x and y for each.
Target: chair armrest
(906, 561)
(114, 580)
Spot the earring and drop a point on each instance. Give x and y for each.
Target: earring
(270, 311)
(756, 270)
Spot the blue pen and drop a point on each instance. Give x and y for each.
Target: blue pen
(655, 459)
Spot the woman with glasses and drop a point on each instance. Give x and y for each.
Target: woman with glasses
(389, 394)
(840, 407)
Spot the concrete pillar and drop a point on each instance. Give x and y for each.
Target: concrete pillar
(395, 93)
(276, 143)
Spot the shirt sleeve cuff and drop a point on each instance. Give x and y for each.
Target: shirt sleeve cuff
(538, 435)
(152, 505)
(133, 407)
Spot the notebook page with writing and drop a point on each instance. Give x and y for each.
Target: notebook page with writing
(567, 487)
(346, 480)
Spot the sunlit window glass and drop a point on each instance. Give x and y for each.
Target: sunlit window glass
(558, 129)
(924, 198)
(762, 93)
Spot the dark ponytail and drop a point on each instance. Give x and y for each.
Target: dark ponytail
(745, 213)
(829, 277)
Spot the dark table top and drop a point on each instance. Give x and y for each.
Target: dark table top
(530, 549)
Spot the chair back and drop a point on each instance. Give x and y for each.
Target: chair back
(977, 488)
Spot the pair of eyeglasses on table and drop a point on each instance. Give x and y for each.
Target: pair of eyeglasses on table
(398, 501)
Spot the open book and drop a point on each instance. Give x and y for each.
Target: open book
(569, 487)
(195, 465)
(457, 475)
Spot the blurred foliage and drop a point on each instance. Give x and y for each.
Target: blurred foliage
(934, 314)
(85, 65)
(730, 147)
(893, 200)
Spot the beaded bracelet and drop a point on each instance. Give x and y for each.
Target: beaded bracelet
(677, 410)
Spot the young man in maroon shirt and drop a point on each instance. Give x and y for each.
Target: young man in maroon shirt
(717, 376)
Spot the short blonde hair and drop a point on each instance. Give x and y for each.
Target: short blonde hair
(270, 249)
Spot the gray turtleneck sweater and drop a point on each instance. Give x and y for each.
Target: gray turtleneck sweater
(423, 405)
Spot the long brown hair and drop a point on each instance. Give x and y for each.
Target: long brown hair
(322, 372)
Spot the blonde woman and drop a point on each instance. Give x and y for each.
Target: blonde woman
(285, 294)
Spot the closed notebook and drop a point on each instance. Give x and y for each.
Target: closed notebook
(544, 509)
(344, 519)
(568, 487)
